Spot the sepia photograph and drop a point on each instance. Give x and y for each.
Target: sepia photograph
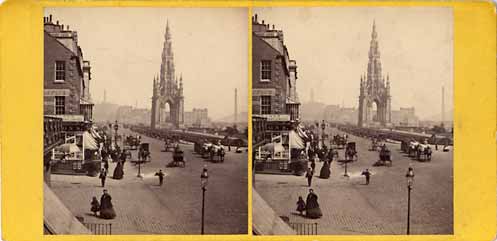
(145, 121)
(352, 120)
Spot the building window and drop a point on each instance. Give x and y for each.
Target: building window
(265, 105)
(265, 70)
(60, 105)
(60, 71)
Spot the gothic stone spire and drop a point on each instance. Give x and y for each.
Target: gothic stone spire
(374, 76)
(167, 66)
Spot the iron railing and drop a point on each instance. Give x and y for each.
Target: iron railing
(99, 228)
(305, 228)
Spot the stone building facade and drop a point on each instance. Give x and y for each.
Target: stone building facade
(274, 74)
(66, 74)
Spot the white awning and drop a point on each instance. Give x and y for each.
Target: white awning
(90, 143)
(296, 141)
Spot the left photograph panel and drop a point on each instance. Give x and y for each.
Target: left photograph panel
(145, 121)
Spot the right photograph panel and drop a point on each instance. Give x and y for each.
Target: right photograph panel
(352, 113)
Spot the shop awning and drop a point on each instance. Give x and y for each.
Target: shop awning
(301, 132)
(95, 134)
(296, 141)
(68, 148)
(90, 143)
(273, 147)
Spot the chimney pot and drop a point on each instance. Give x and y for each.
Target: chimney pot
(262, 21)
(67, 27)
(273, 26)
(62, 26)
(57, 22)
(50, 17)
(256, 17)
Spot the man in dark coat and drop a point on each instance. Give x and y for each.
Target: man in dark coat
(309, 175)
(106, 207)
(103, 175)
(161, 177)
(367, 174)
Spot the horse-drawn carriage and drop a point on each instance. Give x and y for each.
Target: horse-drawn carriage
(351, 152)
(385, 157)
(131, 143)
(423, 152)
(216, 151)
(144, 153)
(339, 141)
(178, 158)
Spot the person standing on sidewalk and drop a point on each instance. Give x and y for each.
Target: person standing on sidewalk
(106, 207)
(367, 174)
(309, 175)
(103, 175)
(161, 177)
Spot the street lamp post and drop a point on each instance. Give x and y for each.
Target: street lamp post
(139, 167)
(323, 126)
(410, 181)
(203, 183)
(116, 127)
(346, 174)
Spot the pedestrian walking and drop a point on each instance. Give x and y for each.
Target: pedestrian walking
(118, 171)
(106, 207)
(95, 206)
(309, 175)
(367, 174)
(300, 205)
(103, 175)
(160, 174)
(313, 165)
(312, 209)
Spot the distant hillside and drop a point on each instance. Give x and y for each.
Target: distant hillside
(242, 117)
(312, 111)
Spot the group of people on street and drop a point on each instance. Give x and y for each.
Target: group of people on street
(104, 208)
(310, 206)
(116, 155)
(324, 155)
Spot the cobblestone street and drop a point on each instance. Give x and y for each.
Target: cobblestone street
(144, 207)
(350, 207)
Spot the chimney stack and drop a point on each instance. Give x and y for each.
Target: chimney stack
(263, 22)
(256, 17)
(57, 22)
(273, 26)
(67, 27)
(50, 18)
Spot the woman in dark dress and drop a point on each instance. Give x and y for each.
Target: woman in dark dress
(325, 170)
(106, 207)
(118, 171)
(312, 209)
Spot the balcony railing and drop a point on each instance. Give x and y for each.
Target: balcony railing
(305, 228)
(99, 228)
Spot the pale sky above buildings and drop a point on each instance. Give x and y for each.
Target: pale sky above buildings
(331, 44)
(124, 46)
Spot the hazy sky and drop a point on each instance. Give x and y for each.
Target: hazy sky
(124, 46)
(331, 48)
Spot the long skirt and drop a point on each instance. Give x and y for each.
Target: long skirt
(107, 213)
(313, 212)
(118, 172)
(325, 171)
